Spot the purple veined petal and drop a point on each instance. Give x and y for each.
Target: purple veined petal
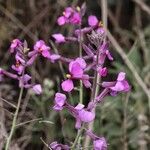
(67, 85)
(78, 124)
(109, 55)
(79, 106)
(82, 62)
(37, 89)
(86, 116)
(100, 144)
(121, 76)
(92, 21)
(75, 69)
(59, 38)
(61, 20)
(60, 99)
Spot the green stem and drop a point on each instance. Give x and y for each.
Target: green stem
(77, 138)
(80, 55)
(14, 120)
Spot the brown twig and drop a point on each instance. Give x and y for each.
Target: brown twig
(142, 5)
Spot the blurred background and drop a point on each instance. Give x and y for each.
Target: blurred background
(124, 120)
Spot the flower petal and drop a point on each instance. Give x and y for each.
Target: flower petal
(92, 21)
(67, 85)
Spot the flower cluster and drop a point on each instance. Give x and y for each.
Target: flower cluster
(25, 58)
(95, 53)
(84, 69)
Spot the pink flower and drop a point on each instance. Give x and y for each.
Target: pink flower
(70, 15)
(15, 44)
(42, 48)
(80, 114)
(20, 63)
(59, 38)
(98, 142)
(76, 18)
(92, 21)
(76, 70)
(59, 101)
(121, 85)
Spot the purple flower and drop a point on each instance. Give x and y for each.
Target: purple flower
(121, 85)
(99, 143)
(56, 146)
(59, 38)
(59, 101)
(80, 114)
(42, 48)
(18, 67)
(15, 44)
(76, 70)
(70, 15)
(76, 18)
(92, 21)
